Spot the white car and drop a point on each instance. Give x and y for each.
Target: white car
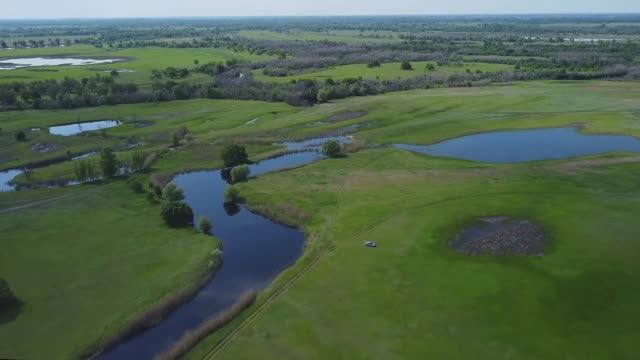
(370, 244)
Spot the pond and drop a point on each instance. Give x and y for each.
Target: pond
(77, 128)
(16, 63)
(6, 177)
(527, 145)
(255, 250)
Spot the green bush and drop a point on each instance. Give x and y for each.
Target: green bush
(175, 140)
(6, 295)
(151, 197)
(234, 155)
(137, 187)
(85, 170)
(231, 194)
(108, 163)
(177, 214)
(204, 225)
(331, 148)
(137, 161)
(20, 136)
(240, 173)
(406, 66)
(324, 95)
(172, 193)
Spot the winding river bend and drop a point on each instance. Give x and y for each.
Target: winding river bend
(255, 251)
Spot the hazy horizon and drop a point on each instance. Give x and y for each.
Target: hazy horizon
(79, 9)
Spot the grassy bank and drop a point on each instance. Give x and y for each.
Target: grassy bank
(85, 261)
(412, 206)
(191, 338)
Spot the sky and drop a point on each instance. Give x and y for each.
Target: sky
(204, 8)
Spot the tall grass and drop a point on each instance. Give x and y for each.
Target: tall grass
(154, 315)
(191, 338)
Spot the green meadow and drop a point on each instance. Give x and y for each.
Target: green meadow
(136, 65)
(387, 71)
(84, 260)
(96, 255)
(413, 296)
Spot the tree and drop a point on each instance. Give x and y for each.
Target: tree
(175, 140)
(137, 161)
(406, 66)
(28, 173)
(85, 170)
(156, 74)
(324, 95)
(6, 295)
(177, 214)
(20, 136)
(234, 155)
(231, 194)
(137, 187)
(331, 148)
(430, 67)
(204, 225)
(374, 64)
(115, 73)
(8, 96)
(92, 170)
(108, 163)
(240, 173)
(172, 193)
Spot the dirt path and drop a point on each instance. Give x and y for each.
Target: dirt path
(35, 203)
(573, 166)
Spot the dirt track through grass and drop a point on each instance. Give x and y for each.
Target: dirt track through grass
(34, 203)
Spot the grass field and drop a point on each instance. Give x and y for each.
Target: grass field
(562, 305)
(151, 124)
(387, 71)
(84, 260)
(445, 305)
(413, 296)
(137, 65)
(421, 117)
(344, 36)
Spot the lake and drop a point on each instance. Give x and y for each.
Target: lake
(527, 145)
(77, 128)
(16, 63)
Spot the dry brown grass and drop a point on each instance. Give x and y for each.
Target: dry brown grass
(353, 147)
(367, 179)
(150, 160)
(577, 166)
(191, 338)
(161, 179)
(285, 213)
